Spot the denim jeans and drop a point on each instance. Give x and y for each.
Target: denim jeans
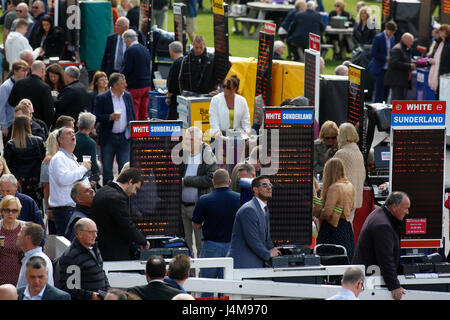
(119, 147)
(212, 249)
(61, 217)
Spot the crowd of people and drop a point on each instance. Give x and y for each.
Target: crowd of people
(61, 140)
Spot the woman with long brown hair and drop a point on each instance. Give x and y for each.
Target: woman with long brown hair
(24, 154)
(334, 206)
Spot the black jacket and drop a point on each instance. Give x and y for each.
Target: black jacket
(79, 212)
(303, 23)
(362, 36)
(444, 65)
(205, 171)
(155, 290)
(54, 43)
(117, 232)
(93, 278)
(25, 162)
(197, 73)
(72, 100)
(379, 244)
(399, 67)
(33, 88)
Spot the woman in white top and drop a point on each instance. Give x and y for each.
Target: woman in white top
(228, 109)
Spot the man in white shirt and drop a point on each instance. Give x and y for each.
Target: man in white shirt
(352, 285)
(37, 287)
(16, 42)
(29, 240)
(64, 171)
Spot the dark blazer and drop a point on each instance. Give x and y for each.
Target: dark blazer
(25, 162)
(250, 241)
(33, 88)
(155, 290)
(136, 67)
(379, 244)
(379, 53)
(399, 67)
(72, 100)
(50, 293)
(444, 65)
(117, 234)
(103, 107)
(362, 36)
(303, 23)
(54, 43)
(109, 54)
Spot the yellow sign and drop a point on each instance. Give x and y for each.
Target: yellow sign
(218, 7)
(354, 75)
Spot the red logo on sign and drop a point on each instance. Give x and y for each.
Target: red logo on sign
(418, 107)
(416, 226)
(314, 42)
(140, 130)
(273, 116)
(270, 28)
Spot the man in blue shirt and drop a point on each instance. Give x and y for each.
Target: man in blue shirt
(214, 213)
(352, 285)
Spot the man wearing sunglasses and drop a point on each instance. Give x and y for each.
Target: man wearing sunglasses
(251, 245)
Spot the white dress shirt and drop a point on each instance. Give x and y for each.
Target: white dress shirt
(344, 294)
(120, 125)
(22, 281)
(64, 171)
(27, 295)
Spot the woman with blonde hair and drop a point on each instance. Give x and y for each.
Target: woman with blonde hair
(24, 154)
(4, 169)
(325, 146)
(10, 226)
(353, 161)
(51, 147)
(364, 31)
(334, 206)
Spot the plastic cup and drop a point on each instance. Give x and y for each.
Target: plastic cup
(86, 158)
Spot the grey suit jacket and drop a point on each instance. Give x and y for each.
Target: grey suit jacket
(250, 240)
(50, 293)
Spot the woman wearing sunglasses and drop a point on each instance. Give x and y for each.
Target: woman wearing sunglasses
(229, 110)
(325, 146)
(9, 229)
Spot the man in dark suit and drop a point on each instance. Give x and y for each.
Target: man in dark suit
(73, 99)
(118, 234)
(381, 46)
(251, 246)
(115, 48)
(156, 289)
(398, 74)
(137, 70)
(114, 110)
(34, 88)
(379, 240)
(37, 287)
(173, 87)
(304, 22)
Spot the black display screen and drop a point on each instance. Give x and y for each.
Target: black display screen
(179, 24)
(310, 77)
(291, 204)
(156, 208)
(418, 170)
(264, 66)
(221, 47)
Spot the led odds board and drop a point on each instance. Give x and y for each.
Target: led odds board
(156, 208)
(417, 168)
(290, 138)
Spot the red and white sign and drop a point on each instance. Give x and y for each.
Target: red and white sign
(422, 107)
(416, 226)
(270, 28)
(273, 116)
(140, 130)
(314, 42)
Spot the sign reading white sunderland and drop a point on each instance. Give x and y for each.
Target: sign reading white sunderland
(163, 130)
(418, 114)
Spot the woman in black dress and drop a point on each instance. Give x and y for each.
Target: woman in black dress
(52, 38)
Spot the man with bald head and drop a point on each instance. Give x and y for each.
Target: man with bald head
(8, 292)
(83, 253)
(34, 88)
(398, 74)
(115, 48)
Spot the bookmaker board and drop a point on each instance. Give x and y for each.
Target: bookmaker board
(156, 207)
(290, 137)
(417, 168)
